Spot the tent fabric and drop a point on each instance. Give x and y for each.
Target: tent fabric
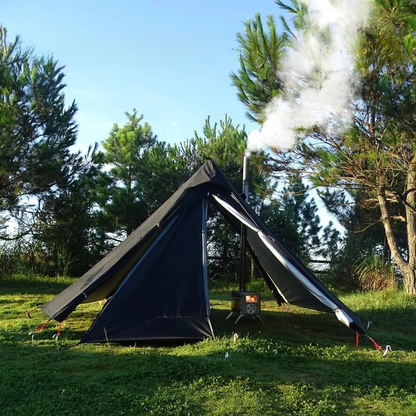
(165, 293)
(103, 279)
(163, 256)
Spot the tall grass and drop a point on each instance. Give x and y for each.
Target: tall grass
(375, 273)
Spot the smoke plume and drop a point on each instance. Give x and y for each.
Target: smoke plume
(318, 75)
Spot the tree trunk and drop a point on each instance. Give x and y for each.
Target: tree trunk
(407, 268)
(409, 284)
(410, 277)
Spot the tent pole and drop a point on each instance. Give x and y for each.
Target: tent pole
(244, 194)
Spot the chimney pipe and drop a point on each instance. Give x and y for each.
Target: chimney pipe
(244, 194)
(246, 165)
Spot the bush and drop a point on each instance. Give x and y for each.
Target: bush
(259, 285)
(20, 258)
(9, 261)
(374, 273)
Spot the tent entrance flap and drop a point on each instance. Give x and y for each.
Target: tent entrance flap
(165, 295)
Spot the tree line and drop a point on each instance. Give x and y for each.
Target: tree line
(62, 211)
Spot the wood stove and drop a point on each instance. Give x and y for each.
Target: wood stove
(245, 303)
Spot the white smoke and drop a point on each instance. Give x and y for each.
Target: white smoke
(318, 75)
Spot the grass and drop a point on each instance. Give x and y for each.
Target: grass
(299, 363)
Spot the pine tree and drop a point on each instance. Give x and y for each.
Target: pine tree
(36, 128)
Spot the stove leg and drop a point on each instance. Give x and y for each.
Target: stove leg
(229, 315)
(241, 315)
(261, 320)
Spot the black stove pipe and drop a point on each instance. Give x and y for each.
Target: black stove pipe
(244, 194)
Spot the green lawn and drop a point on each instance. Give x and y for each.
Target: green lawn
(299, 363)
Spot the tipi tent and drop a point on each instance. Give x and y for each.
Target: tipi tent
(156, 279)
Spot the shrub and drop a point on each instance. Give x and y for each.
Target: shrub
(374, 273)
(9, 261)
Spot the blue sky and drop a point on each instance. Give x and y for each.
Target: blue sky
(171, 60)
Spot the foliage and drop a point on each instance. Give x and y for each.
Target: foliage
(67, 242)
(295, 219)
(36, 128)
(320, 371)
(119, 196)
(375, 161)
(260, 53)
(165, 168)
(9, 260)
(375, 273)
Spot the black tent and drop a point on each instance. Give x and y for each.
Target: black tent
(156, 280)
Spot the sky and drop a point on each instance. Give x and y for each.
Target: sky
(171, 60)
